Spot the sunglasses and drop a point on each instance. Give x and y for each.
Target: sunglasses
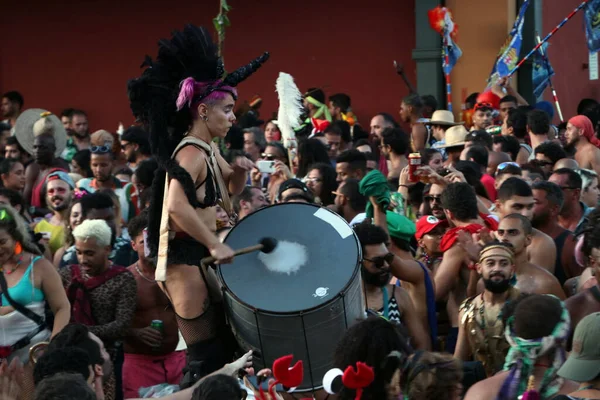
(503, 165)
(430, 199)
(268, 156)
(100, 149)
(380, 261)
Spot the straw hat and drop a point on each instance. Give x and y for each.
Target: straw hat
(455, 136)
(35, 122)
(443, 117)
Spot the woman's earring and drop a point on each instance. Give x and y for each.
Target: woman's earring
(205, 118)
(18, 248)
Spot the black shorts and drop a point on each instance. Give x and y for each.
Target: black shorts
(186, 250)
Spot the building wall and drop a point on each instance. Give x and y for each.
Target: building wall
(568, 55)
(482, 30)
(81, 54)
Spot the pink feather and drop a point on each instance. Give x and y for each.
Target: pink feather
(186, 93)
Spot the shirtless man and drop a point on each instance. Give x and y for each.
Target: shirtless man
(517, 230)
(150, 356)
(452, 276)
(587, 301)
(412, 275)
(515, 197)
(389, 301)
(45, 162)
(199, 180)
(580, 137)
(410, 112)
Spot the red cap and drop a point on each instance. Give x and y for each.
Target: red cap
(426, 224)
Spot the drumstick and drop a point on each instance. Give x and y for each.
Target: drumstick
(266, 245)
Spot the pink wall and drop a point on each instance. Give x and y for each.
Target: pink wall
(81, 54)
(568, 53)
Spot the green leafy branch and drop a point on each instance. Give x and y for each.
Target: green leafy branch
(221, 21)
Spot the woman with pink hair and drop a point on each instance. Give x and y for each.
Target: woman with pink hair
(185, 100)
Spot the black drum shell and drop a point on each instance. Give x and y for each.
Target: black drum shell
(311, 336)
(307, 329)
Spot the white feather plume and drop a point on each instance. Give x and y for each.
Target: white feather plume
(290, 107)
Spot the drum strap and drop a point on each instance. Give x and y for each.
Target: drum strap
(386, 303)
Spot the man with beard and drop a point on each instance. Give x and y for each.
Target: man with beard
(434, 199)
(102, 295)
(36, 173)
(11, 105)
(516, 230)
(80, 139)
(452, 276)
(581, 138)
(351, 164)
(515, 197)
(574, 213)
(381, 298)
(250, 200)
(394, 146)
(135, 146)
(549, 199)
(411, 112)
(349, 202)
(102, 165)
(59, 188)
(481, 331)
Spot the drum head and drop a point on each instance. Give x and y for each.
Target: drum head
(332, 250)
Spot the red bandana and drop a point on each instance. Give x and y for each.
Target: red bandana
(451, 236)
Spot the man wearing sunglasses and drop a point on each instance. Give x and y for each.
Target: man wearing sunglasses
(574, 213)
(382, 298)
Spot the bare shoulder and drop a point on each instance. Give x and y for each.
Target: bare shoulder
(487, 388)
(540, 238)
(193, 160)
(44, 266)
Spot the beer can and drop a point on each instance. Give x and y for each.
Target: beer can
(158, 325)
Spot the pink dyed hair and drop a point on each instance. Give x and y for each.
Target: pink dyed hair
(190, 88)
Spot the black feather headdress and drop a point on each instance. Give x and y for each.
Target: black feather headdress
(189, 53)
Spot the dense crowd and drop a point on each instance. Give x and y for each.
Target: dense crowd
(478, 237)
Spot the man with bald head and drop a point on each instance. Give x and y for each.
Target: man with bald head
(494, 159)
(566, 163)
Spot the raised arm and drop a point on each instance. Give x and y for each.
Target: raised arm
(446, 275)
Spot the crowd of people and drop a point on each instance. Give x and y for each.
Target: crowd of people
(479, 243)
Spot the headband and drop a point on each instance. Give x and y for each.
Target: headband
(322, 108)
(483, 256)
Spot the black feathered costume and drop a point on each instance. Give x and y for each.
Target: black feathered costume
(153, 97)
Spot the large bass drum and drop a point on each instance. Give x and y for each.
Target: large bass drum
(304, 312)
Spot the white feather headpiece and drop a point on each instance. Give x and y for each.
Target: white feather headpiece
(290, 108)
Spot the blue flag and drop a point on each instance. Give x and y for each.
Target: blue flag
(592, 25)
(509, 53)
(454, 52)
(542, 70)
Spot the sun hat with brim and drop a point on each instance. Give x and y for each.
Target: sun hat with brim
(35, 122)
(454, 136)
(443, 117)
(583, 364)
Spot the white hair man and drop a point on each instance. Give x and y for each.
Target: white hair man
(102, 295)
